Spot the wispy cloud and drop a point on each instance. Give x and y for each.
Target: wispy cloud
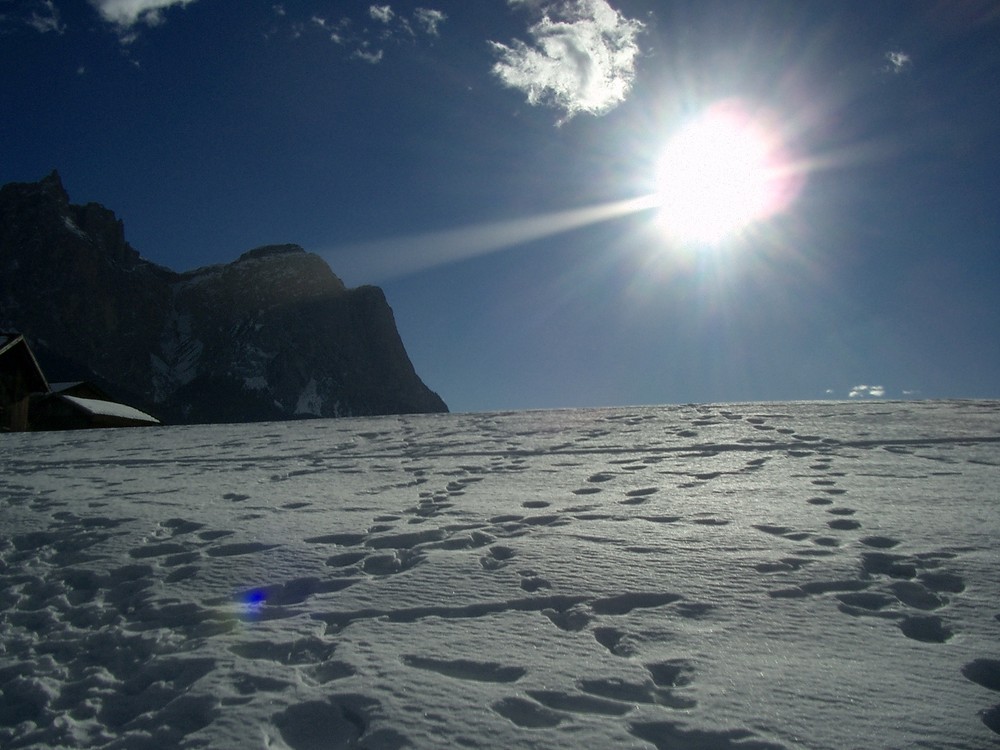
(341, 32)
(581, 57)
(867, 391)
(429, 20)
(368, 56)
(897, 61)
(45, 18)
(40, 15)
(381, 13)
(366, 41)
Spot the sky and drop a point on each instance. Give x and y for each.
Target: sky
(568, 203)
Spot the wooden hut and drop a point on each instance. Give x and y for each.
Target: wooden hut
(20, 376)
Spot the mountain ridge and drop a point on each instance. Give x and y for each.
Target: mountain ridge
(274, 334)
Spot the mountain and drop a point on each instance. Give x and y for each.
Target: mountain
(272, 335)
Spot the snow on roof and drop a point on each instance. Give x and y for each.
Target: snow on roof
(110, 409)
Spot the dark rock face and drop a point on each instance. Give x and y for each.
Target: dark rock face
(272, 335)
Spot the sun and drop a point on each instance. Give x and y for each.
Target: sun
(720, 173)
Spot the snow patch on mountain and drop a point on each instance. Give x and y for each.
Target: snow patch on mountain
(71, 226)
(310, 402)
(180, 353)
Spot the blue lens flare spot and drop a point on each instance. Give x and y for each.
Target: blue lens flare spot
(252, 602)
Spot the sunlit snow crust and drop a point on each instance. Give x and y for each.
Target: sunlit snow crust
(817, 575)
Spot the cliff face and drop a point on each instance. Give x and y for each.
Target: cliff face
(272, 335)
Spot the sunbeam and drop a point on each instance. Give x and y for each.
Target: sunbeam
(394, 257)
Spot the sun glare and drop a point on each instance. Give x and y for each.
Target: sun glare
(722, 172)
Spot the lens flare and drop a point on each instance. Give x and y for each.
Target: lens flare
(251, 603)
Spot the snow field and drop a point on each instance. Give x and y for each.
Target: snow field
(816, 575)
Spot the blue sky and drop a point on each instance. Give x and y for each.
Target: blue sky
(451, 152)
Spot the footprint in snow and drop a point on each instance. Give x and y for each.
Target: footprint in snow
(238, 548)
(531, 581)
(879, 542)
(499, 556)
(844, 524)
(579, 704)
(535, 504)
(526, 713)
(926, 628)
(466, 669)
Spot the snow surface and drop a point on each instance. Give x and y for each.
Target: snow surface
(814, 575)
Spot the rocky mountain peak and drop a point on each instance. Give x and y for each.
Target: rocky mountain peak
(52, 185)
(273, 335)
(267, 251)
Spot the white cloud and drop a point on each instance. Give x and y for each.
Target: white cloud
(429, 19)
(581, 57)
(897, 61)
(867, 391)
(128, 13)
(381, 13)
